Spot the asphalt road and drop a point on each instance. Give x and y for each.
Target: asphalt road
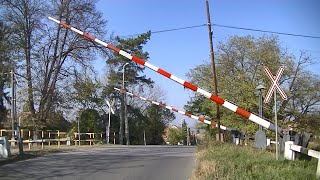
(133, 162)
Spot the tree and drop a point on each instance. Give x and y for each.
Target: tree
(65, 50)
(157, 119)
(56, 121)
(5, 67)
(87, 92)
(25, 18)
(240, 63)
(184, 132)
(52, 54)
(90, 121)
(175, 136)
(133, 77)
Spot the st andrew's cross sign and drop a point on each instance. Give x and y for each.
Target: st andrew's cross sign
(275, 84)
(273, 89)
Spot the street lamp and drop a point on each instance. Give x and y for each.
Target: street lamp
(260, 87)
(125, 106)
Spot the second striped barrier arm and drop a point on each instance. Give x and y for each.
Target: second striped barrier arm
(201, 119)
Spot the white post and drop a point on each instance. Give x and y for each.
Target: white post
(288, 153)
(188, 136)
(276, 123)
(318, 168)
(79, 138)
(144, 137)
(108, 129)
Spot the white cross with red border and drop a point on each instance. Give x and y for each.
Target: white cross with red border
(275, 84)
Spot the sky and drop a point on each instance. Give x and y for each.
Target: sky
(178, 52)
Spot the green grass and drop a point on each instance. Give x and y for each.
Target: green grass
(228, 161)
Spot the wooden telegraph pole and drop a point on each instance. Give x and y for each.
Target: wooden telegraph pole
(215, 92)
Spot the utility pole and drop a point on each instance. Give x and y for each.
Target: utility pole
(126, 123)
(79, 138)
(213, 70)
(121, 120)
(188, 137)
(144, 137)
(12, 107)
(108, 126)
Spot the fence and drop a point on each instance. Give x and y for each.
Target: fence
(291, 149)
(91, 138)
(55, 137)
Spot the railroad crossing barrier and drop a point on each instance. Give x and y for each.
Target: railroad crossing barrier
(236, 135)
(291, 149)
(201, 119)
(238, 110)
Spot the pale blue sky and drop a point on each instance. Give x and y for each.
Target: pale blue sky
(179, 51)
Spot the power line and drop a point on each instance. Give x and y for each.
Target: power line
(168, 30)
(266, 31)
(176, 29)
(230, 27)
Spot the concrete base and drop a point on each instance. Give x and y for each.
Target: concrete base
(260, 140)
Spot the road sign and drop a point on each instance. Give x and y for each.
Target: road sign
(275, 84)
(110, 106)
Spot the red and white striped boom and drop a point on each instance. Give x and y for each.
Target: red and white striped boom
(212, 123)
(217, 99)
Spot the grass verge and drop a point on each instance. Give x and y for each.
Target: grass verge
(228, 161)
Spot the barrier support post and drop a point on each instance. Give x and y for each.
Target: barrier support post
(41, 139)
(94, 136)
(318, 168)
(49, 138)
(58, 139)
(75, 138)
(29, 144)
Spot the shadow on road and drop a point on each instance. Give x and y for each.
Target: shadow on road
(99, 161)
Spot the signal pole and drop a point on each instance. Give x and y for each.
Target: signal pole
(215, 92)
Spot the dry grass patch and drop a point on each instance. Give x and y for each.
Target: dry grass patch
(228, 161)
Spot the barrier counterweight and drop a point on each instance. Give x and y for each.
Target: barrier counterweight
(242, 112)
